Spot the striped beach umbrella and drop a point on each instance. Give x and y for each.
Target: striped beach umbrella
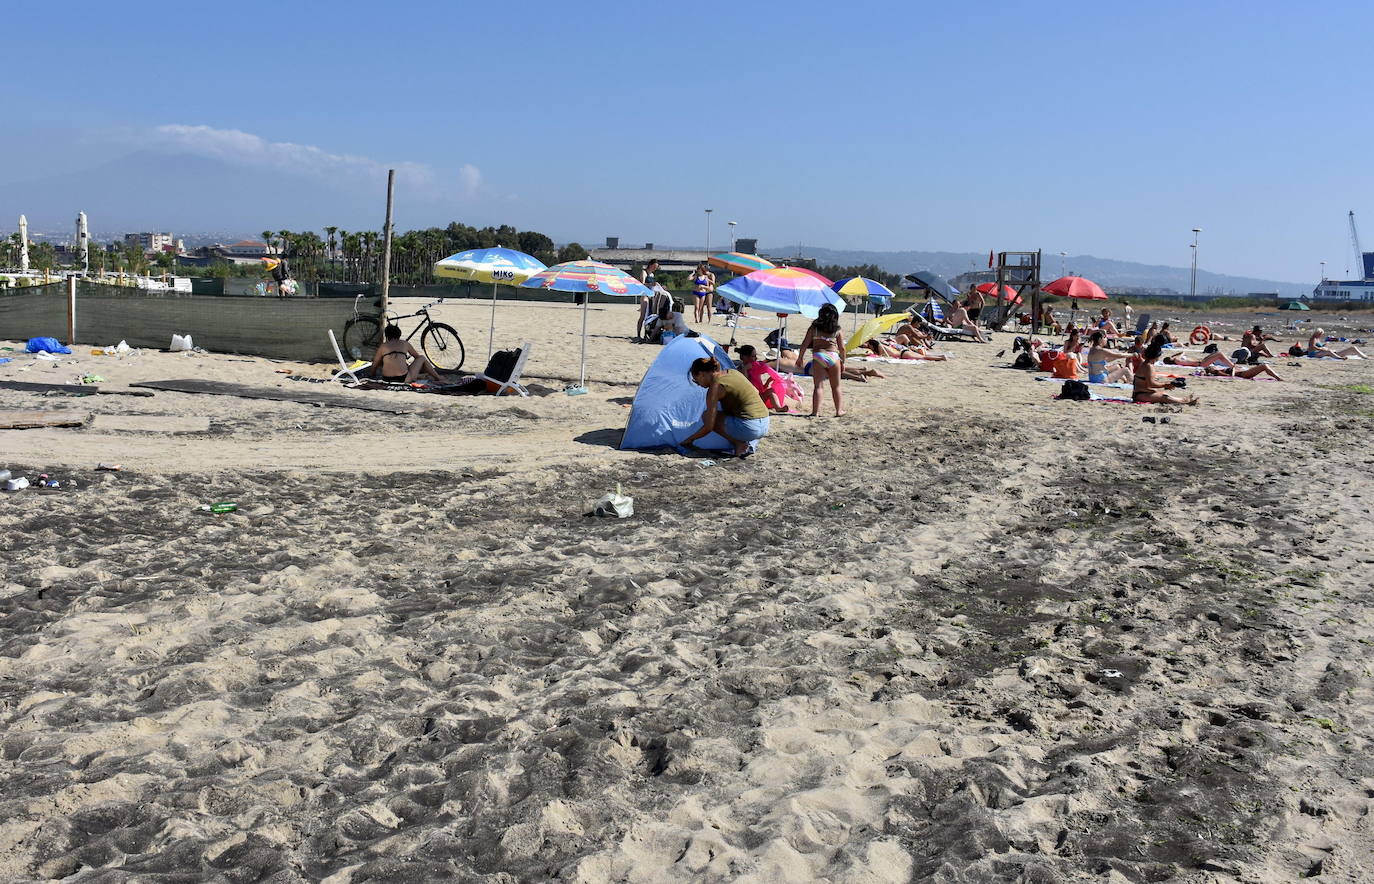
(781, 290)
(586, 278)
(497, 266)
(739, 263)
(859, 288)
(821, 277)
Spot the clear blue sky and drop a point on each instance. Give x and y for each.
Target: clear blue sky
(1096, 128)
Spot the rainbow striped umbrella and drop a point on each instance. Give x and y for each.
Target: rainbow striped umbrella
(739, 263)
(497, 266)
(781, 290)
(586, 277)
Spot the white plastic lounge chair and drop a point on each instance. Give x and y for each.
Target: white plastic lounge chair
(514, 382)
(344, 375)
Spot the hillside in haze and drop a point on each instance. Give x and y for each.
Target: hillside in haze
(1106, 272)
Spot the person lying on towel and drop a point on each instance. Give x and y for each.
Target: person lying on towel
(734, 409)
(399, 362)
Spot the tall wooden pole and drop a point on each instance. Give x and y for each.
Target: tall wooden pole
(386, 241)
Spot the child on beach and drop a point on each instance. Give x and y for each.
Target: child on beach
(823, 339)
(777, 392)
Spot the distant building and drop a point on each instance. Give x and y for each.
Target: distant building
(627, 259)
(248, 248)
(1349, 289)
(150, 242)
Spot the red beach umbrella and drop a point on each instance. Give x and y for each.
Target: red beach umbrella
(990, 289)
(1076, 287)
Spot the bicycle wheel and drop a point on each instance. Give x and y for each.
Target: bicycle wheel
(443, 346)
(361, 336)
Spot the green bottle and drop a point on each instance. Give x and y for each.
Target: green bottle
(226, 507)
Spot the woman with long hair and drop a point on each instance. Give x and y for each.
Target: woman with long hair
(826, 344)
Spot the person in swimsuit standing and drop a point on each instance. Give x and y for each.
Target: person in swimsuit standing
(703, 284)
(398, 361)
(825, 342)
(974, 304)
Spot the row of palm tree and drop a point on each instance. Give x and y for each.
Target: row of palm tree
(356, 257)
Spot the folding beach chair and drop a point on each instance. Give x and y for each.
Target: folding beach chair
(513, 382)
(345, 374)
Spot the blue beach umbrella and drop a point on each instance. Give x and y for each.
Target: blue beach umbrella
(586, 278)
(497, 266)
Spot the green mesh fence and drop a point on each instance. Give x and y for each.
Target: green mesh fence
(278, 328)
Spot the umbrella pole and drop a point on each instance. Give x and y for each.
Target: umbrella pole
(582, 372)
(782, 334)
(491, 334)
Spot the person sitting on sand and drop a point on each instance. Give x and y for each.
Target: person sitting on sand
(1105, 366)
(1145, 388)
(1253, 340)
(734, 409)
(397, 361)
(1164, 333)
(826, 342)
(776, 391)
(1315, 348)
(959, 318)
(914, 333)
(1105, 324)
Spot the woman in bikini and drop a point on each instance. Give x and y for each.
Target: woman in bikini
(702, 285)
(823, 339)
(893, 350)
(1144, 386)
(1315, 348)
(398, 362)
(1105, 366)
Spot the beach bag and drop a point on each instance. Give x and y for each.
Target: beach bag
(1024, 361)
(1295, 350)
(1047, 358)
(1075, 390)
(501, 364)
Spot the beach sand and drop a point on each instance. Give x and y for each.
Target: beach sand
(966, 633)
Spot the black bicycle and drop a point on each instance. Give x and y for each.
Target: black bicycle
(438, 341)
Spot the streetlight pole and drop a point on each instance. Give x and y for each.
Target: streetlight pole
(1323, 271)
(1192, 286)
(1062, 257)
(708, 231)
(732, 234)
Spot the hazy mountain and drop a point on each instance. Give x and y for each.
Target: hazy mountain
(1104, 271)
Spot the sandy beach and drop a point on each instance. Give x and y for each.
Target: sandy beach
(965, 633)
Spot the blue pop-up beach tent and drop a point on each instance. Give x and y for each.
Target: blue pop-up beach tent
(668, 405)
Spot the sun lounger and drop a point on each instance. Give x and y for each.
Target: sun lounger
(513, 382)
